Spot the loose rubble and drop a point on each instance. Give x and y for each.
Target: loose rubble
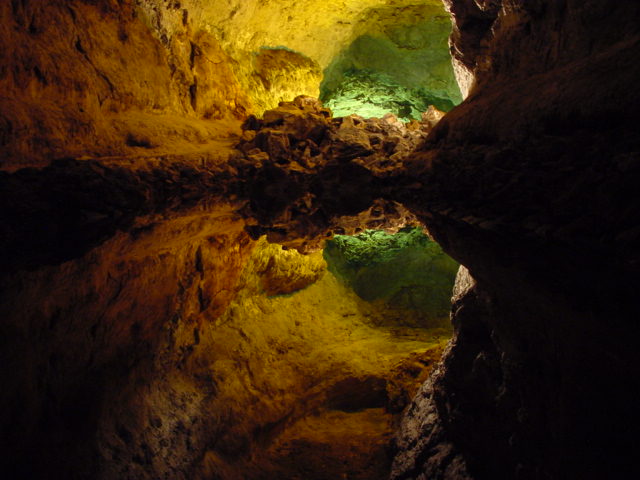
(303, 136)
(307, 171)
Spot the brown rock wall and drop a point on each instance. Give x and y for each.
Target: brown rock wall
(91, 79)
(511, 39)
(529, 183)
(88, 347)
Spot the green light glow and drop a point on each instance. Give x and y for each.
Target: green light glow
(370, 94)
(401, 69)
(405, 271)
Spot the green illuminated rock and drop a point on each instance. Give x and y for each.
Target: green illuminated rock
(405, 272)
(372, 94)
(402, 69)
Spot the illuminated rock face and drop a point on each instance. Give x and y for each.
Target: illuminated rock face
(280, 75)
(405, 272)
(400, 66)
(370, 94)
(83, 79)
(148, 77)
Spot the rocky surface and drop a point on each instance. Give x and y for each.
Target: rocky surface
(371, 94)
(309, 172)
(315, 29)
(153, 77)
(91, 79)
(400, 64)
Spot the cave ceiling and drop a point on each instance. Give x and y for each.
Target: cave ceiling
(284, 48)
(318, 29)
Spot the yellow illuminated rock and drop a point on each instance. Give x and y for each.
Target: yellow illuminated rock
(285, 271)
(152, 77)
(280, 75)
(317, 30)
(295, 373)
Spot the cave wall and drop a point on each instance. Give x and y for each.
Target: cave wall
(94, 350)
(139, 77)
(401, 64)
(91, 79)
(496, 40)
(528, 186)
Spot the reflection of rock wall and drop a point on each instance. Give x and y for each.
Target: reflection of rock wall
(160, 354)
(406, 272)
(306, 170)
(94, 350)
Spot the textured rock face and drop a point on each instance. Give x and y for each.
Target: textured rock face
(90, 79)
(400, 65)
(308, 171)
(133, 78)
(538, 205)
(247, 26)
(507, 39)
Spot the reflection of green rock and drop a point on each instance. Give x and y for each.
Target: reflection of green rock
(401, 69)
(405, 271)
